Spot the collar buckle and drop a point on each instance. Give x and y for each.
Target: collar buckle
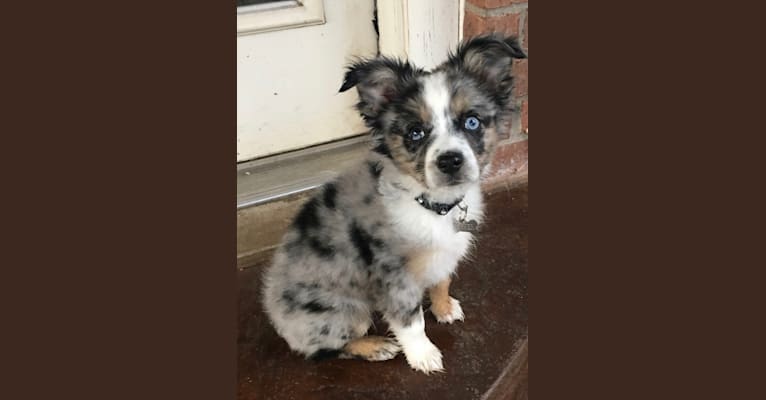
(439, 208)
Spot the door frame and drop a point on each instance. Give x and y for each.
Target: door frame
(422, 31)
(412, 29)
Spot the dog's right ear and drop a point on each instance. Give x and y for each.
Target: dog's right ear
(378, 81)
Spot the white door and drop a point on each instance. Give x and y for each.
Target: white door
(291, 57)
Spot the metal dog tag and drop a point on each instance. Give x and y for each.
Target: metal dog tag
(468, 226)
(461, 225)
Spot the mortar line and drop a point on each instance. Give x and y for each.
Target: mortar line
(522, 31)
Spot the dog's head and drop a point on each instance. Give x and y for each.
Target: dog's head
(439, 126)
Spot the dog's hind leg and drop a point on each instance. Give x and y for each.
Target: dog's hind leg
(371, 348)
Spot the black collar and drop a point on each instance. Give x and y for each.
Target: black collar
(439, 208)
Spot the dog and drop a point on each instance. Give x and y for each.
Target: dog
(379, 236)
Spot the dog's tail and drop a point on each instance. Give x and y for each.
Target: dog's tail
(370, 348)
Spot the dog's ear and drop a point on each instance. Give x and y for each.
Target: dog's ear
(489, 59)
(378, 81)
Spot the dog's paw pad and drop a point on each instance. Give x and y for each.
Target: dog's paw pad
(425, 358)
(448, 315)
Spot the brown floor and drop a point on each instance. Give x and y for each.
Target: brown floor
(477, 353)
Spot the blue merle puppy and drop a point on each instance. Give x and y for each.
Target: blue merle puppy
(380, 235)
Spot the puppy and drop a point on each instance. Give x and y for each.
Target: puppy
(380, 235)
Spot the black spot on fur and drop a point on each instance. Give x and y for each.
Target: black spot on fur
(477, 142)
(388, 267)
(325, 354)
(362, 241)
(301, 285)
(368, 199)
(478, 146)
(379, 244)
(375, 169)
(323, 250)
(383, 149)
(307, 218)
(315, 307)
(330, 192)
(325, 330)
(288, 296)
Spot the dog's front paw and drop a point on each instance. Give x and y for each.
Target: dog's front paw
(424, 357)
(448, 312)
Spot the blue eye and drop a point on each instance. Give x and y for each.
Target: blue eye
(471, 123)
(417, 134)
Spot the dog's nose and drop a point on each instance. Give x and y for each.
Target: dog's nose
(450, 162)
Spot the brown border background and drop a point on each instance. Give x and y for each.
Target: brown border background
(120, 223)
(644, 205)
(123, 195)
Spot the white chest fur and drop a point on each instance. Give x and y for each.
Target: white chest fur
(433, 245)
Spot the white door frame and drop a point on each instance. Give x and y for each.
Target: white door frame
(422, 31)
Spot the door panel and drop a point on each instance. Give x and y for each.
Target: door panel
(288, 80)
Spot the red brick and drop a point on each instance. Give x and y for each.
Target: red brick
(504, 132)
(510, 159)
(476, 24)
(520, 77)
(495, 3)
(525, 116)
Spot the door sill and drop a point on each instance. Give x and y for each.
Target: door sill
(277, 177)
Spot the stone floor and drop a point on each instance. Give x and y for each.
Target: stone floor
(478, 353)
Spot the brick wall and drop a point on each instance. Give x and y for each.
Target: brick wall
(510, 17)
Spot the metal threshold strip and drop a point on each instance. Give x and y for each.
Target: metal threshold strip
(273, 178)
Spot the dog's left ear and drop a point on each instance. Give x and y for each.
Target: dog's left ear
(489, 59)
